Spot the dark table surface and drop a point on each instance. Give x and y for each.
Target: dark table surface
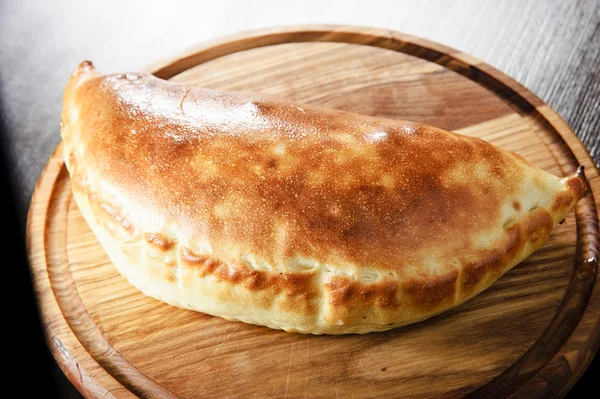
(551, 47)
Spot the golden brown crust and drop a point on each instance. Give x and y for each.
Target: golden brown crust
(316, 220)
(431, 293)
(159, 240)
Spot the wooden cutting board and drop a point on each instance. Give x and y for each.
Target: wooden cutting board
(533, 332)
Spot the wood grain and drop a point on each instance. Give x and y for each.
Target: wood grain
(531, 334)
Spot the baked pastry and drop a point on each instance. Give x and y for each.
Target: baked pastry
(295, 217)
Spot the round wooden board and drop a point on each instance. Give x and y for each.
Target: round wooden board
(531, 334)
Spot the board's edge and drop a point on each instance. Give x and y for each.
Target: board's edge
(61, 341)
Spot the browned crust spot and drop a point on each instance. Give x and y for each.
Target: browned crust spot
(299, 286)
(344, 292)
(577, 187)
(537, 226)
(475, 271)
(493, 261)
(577, 184)
(516, 205)
(433, 291)
(563, 199)
(113, 214)
(206, 265)
(513, 243)
(159, 241)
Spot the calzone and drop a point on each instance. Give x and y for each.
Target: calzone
(295, 217)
